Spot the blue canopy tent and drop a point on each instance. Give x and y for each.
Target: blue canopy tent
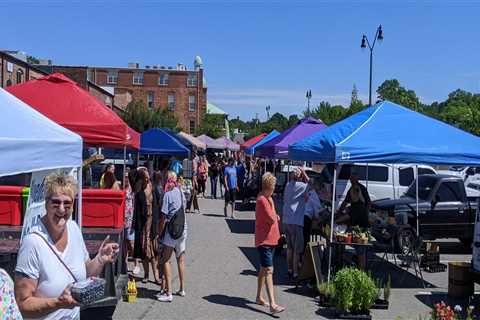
(268, 137)
(388, 133)
(159, 141)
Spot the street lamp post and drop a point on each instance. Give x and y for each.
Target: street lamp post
(267, 108)
(308, 96)
(365, 43)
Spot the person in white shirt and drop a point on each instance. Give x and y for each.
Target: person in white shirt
(53, 256)
(313, 209)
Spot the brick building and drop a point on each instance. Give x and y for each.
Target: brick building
(15, 69)
(178, 89)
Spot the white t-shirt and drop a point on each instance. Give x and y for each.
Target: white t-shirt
(37, 261)
(294, 203)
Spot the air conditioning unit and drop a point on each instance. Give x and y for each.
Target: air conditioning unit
(163, 67)
(155, 67)
(170, 68)
(147, 67)
(133, 65)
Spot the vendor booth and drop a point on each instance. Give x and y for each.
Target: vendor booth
(228, 144)
(194, 141)
(252, 141)
(210, 142)
(159, 141)
(388, 133)
(251, 150)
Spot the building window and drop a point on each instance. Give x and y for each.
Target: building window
(90, 76)
(192, 80)
(192, 105)
(19, 76)
(112, 77)
(192, 126)
(138, 78)
(171, 102)
(150, 99)
(163, 80)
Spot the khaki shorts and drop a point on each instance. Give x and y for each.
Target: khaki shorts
(294, 235)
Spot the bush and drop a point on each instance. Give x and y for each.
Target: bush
(354, 290)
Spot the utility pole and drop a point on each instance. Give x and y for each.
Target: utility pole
(308, 96)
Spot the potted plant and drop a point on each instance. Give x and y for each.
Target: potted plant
(326, 294)
(383, 303)
(355, 293)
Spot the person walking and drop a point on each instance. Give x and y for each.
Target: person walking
(202, 176)
(231, 186)
(173, 204)
(293, 215)
(145, 224)
(267, 234)
(213, 173)
(129, 230)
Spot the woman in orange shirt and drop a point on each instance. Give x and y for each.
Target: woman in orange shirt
(267, 234)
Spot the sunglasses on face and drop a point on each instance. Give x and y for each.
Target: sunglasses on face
(56, 203)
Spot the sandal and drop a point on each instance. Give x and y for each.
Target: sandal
(262, 303)
(276, 310)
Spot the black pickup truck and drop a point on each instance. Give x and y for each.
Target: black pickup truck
(444, 210)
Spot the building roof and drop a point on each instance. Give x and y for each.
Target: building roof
(19, 61)
(213, 109)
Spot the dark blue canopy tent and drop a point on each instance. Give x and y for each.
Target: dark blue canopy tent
(163, 142)
(388, 133)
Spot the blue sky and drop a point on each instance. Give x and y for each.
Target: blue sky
(263, 52)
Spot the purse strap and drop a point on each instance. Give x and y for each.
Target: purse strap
(56, 254)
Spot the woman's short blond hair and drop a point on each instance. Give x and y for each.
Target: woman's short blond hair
(60, 183)
(268, 181)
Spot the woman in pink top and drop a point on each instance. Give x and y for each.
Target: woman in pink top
(267, 234)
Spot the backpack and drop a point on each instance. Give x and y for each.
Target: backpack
(176, 225)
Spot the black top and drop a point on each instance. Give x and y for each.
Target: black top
(364, 192)
(359, 214)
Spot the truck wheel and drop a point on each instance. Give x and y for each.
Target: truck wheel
(467, 242)
(405, 240)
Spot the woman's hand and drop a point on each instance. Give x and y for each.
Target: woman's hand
(108, 251)
(65, 299)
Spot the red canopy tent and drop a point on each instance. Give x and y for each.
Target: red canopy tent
(66, 103)
(250, 142)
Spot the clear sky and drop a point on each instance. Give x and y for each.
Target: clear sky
(263, 52)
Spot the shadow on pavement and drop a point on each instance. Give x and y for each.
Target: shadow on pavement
(241, 226)
(279, 266)
(438, 296)
(214, 215)
(239, 302)
(143, 292)
(328, 313)
(97, 313)
(400, 277)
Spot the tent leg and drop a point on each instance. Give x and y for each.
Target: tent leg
(418, 223)
(331, 223)
(79, 201)
(366, 177)
(124, 165)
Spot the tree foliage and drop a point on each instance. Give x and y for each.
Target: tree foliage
(141, 118)
(213, 125)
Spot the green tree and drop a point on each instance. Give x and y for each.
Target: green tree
(392, 90)
(462, 109)
(327, 113)
(33, 60)
(293, 120)
(212, 125)
(141, 118)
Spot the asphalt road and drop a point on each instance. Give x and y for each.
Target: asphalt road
(221, 264)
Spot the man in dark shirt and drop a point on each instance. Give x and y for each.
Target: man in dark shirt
(364, 197)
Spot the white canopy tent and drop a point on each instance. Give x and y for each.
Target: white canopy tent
(31, 142)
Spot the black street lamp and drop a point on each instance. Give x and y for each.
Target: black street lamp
(365, 43)
(267, 108)
(308, 96)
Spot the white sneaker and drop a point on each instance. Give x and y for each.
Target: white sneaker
(180, 293)
(165, 298)
(160, 293)
(136, 270)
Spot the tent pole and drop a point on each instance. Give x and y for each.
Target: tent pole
(394, 170)
(418, 223)
(124, 165)
(79, 201)
(331, 222)
(366, 176)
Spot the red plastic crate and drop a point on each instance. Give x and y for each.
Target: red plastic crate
(10, 205)
(103, 208)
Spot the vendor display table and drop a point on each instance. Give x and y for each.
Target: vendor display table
(339, 250)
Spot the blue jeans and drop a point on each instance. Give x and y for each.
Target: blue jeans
(213, 184)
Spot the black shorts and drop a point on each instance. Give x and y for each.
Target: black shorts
(230, 195)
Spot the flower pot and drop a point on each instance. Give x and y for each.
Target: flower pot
(362, 315)
(380, 304)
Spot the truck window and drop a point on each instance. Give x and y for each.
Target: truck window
(425, 171)
(375, 173)
(405, 176)
(449, 192)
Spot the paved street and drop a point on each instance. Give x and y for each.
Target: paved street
(221, 278)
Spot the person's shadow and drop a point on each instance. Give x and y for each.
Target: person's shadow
(235, 302)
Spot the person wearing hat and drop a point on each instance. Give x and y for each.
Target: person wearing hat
(294, 200)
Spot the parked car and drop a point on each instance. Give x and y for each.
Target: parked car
(385, 181)
(444, 210)
(470, 176)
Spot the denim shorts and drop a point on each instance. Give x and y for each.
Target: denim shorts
(266, 255)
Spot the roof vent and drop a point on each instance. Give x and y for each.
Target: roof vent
(133, 65)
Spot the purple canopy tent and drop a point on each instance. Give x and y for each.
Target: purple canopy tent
(277, 148)
(228, 144)
(210, 142)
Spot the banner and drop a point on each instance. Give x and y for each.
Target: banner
(36, 199)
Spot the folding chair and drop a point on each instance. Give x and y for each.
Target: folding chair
(413, 258)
